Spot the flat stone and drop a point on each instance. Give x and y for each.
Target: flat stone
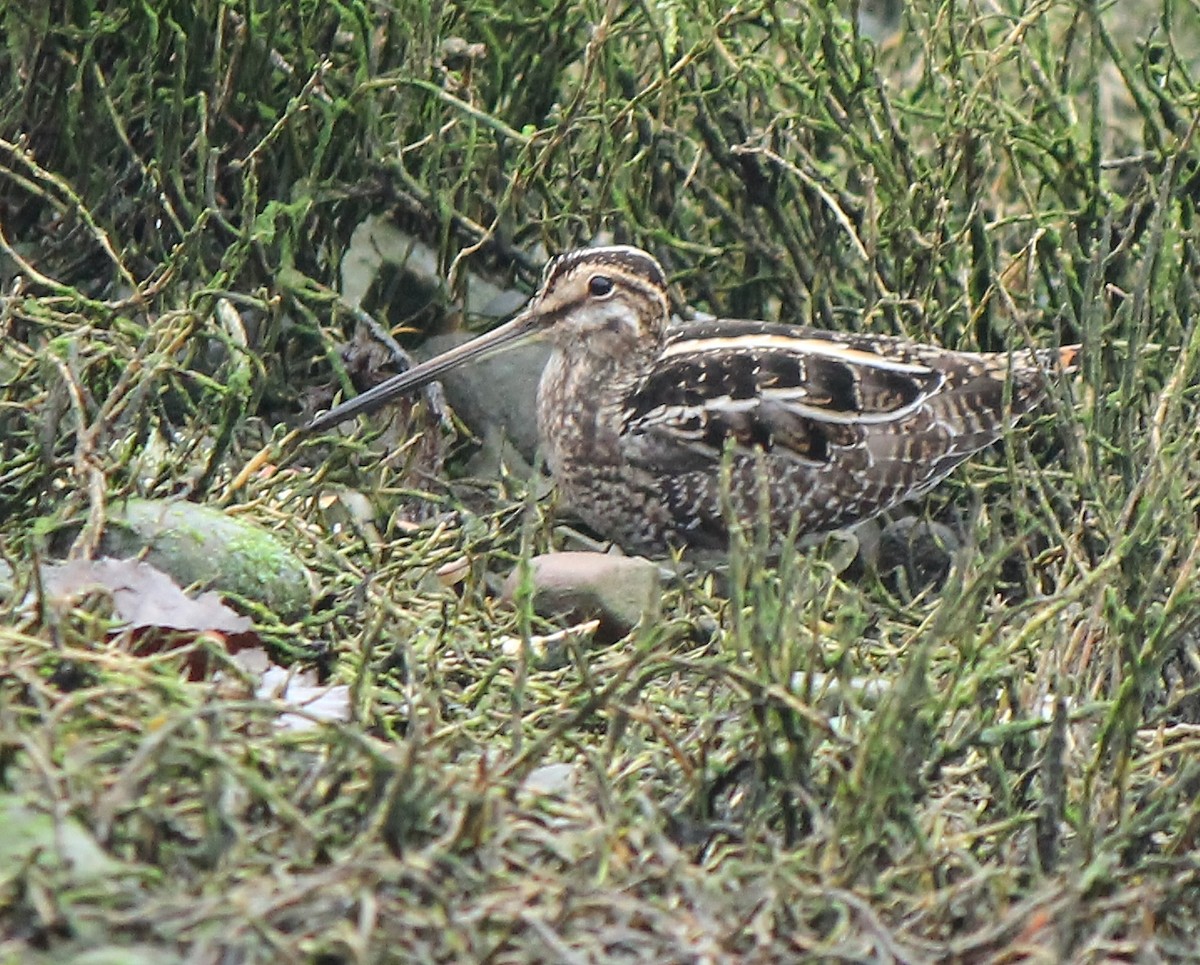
(619, 591)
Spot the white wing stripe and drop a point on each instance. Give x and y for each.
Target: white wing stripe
(792, 346)
(676, 414)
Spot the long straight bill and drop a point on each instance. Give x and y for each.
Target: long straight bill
(498, 339)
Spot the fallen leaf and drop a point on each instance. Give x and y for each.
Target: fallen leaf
(300, 690)
(143, 597)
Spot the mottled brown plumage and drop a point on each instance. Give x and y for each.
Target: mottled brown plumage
(640, 416)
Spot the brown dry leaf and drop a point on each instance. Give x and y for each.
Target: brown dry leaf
(143, 597)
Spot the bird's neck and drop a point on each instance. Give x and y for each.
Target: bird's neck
(581, 401)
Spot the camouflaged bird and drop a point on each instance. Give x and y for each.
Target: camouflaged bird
(638, 414)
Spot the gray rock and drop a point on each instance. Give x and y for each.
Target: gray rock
(880, 20)
(6, 582)
(838, 549)
(619, 591)
(122, 955)
(552, 779)
(868, 533)
(53, 842)
(496, 395)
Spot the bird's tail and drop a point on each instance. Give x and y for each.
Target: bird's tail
(1065, 359)
(1061, 361)
(1033, 370)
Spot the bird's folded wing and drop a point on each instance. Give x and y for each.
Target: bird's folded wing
(795, 393)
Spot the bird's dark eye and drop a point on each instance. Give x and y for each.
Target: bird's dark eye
(600, 285)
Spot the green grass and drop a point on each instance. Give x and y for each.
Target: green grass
(793, 764)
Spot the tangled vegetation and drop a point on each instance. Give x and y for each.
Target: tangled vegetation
(791, 762)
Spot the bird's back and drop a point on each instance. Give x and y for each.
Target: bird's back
(831, 428)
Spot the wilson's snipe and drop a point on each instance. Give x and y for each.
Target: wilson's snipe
(636, 411)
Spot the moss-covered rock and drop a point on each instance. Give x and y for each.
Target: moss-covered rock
(203, 546)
